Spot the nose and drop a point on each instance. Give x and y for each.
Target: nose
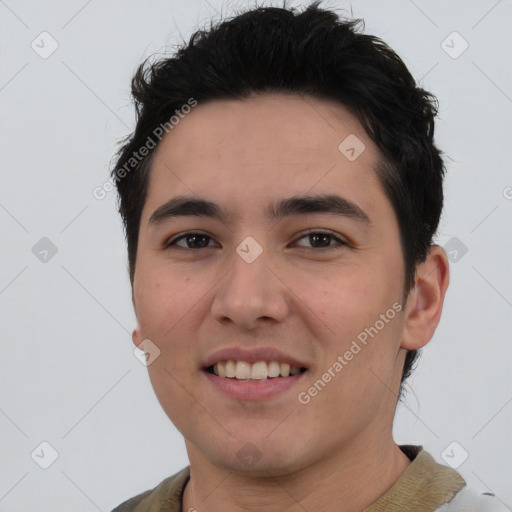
(251, 294)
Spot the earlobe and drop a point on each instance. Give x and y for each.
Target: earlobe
(425, 301)
(137, 335)
(137, 332)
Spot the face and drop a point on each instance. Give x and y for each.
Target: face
(318, 287)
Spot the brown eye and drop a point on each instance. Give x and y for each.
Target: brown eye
(192, 240)
(322, 240)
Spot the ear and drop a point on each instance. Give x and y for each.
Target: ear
(425, 301)
(137, 335)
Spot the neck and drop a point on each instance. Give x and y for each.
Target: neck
(349, 480)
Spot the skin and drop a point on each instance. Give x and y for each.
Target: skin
(337, 452)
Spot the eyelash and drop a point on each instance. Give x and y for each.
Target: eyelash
(341, 243)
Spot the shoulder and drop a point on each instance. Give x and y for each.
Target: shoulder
(166, 496)
(468, 500)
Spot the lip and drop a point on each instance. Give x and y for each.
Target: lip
(252, 356)
(252, 391)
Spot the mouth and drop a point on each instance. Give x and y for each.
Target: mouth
(260, 381)
(260, 371)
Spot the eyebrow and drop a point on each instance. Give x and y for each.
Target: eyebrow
(183, 206)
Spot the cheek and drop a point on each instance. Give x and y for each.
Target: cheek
(350, 303)
(346, 298)
(171, 307)
(162, 299)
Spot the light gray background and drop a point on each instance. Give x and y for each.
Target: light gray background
(68, 375)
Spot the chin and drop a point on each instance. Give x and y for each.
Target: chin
(256, 458)
(263, 468)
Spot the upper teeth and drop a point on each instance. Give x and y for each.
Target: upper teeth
(258, 371)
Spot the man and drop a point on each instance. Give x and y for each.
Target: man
(280, 195)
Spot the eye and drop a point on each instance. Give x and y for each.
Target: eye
(192, 240)
(323, 239)
(320, 240)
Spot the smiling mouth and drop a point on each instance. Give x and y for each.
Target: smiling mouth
(260, 371)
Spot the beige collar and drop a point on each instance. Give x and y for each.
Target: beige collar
(424, 485)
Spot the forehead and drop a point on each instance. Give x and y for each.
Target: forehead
(243, 153)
